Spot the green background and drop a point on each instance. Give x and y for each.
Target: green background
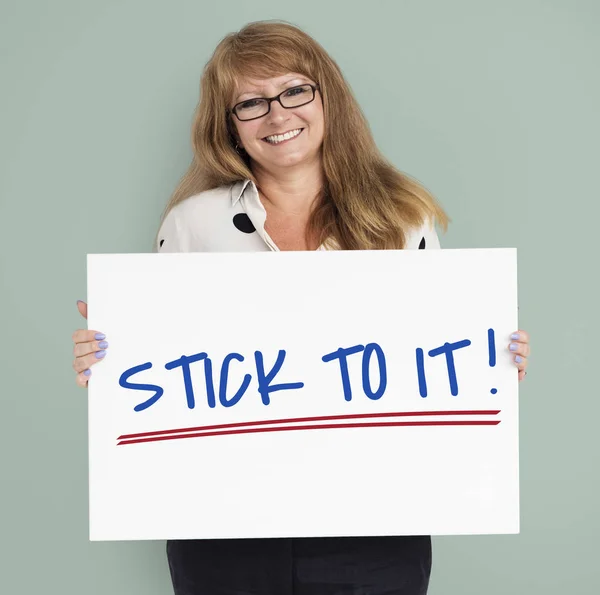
(492, 105)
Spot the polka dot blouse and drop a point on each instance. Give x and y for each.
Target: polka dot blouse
(232, 219)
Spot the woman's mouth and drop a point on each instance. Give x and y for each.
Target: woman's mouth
(279, 139)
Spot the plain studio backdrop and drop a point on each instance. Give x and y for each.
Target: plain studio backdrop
(492, 105)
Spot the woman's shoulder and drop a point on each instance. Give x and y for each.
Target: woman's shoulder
(216, 200)
(211, 220)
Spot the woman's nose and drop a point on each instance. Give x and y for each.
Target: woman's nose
(278, 113)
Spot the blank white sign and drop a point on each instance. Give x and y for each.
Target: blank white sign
(329, 393)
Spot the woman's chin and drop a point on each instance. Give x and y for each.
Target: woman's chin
(289, 161)
(281, 161)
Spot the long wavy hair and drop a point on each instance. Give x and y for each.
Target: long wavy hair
(365, 202)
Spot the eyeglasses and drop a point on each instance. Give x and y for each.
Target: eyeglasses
(261, 106)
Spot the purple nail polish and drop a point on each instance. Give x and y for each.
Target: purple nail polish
(518, 359)
(100, 354)
(515, 336)
(514, 347)
(99, 336)
(87, 372)
(103, 344)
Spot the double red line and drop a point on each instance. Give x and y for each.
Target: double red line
(307, 423)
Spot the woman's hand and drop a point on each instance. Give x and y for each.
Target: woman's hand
(89, 349)
(519, 347)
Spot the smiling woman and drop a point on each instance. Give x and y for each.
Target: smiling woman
(284, 160)
(276, 112)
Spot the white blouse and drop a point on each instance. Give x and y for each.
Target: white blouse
(232, 219)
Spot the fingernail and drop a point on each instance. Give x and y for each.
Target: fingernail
(514, 347)
(103, 344)
(100, 354)
(87, 372)
(518, 359)
(515, 336)
(99, 336)
(80, 301)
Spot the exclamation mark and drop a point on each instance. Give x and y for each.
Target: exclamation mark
(492, 351)
(421, 373)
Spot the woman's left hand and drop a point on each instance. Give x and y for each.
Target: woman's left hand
(520, 350)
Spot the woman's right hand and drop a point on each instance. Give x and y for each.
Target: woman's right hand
(90, 348)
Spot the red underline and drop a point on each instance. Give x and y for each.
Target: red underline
(308, 419)
(223, 429)
(314, 427)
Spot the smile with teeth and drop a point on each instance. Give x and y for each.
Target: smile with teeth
(279, 138)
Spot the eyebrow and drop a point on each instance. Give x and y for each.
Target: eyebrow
(282, 86)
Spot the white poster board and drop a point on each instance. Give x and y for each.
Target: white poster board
(277, 394)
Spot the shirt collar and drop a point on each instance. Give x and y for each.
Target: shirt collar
(257, 216)
(238, 188)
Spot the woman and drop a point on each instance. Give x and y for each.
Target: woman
(284, 160)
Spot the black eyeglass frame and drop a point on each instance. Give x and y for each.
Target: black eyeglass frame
(269, 100)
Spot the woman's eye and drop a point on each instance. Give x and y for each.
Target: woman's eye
(295, 91)
(249, 104)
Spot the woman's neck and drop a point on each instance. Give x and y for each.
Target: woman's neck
(291, 191)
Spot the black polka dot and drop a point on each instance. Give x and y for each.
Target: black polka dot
(422, 244)
(161, 243)
(243, 223)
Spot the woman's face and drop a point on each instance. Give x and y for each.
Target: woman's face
(271, 153)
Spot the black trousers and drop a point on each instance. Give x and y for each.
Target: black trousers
(301, 566)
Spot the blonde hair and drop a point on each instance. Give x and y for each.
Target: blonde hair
(366, 203)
